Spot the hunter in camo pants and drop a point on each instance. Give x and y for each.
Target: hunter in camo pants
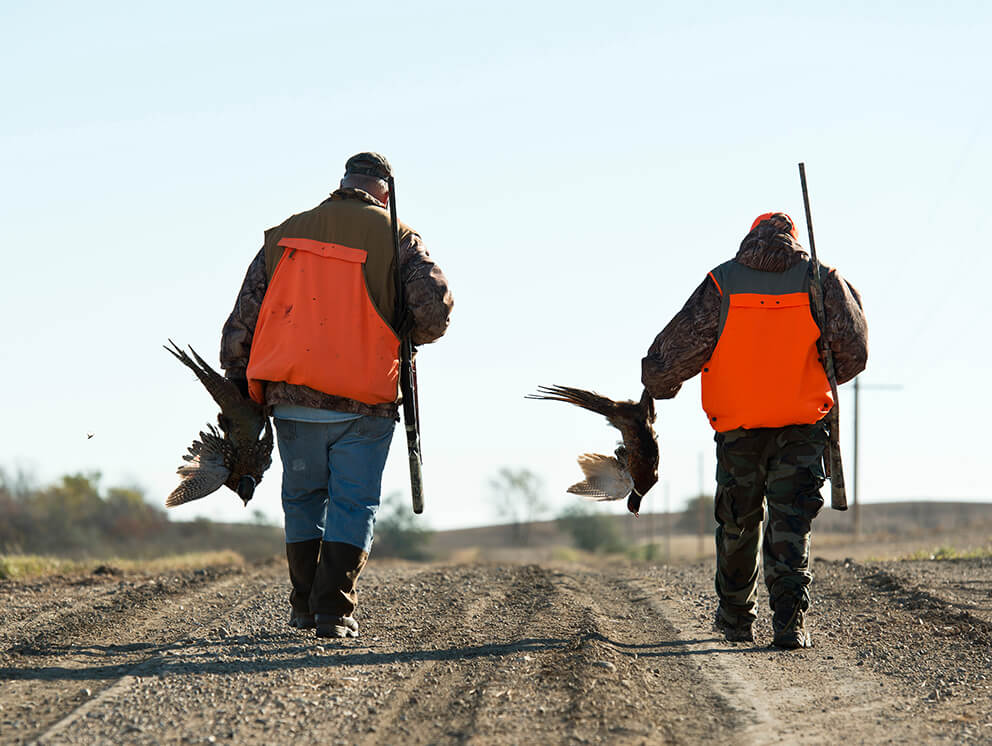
(781, 464)
(749, 331)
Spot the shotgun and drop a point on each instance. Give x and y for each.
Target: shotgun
(835, 469)
(408, 371)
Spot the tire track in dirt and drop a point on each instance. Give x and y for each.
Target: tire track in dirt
(285, 675)
(524, 675)
(636, 675)
(545, 670)
(816, 695)
(478, 654)
(440, 702)
(60, 681)
(98, 603)
(448, 675)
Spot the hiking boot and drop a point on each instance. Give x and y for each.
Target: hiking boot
(733, 632)
(789, 624)
(336, 626)
(301, 620)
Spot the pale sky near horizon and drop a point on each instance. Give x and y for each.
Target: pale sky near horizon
(575, 169)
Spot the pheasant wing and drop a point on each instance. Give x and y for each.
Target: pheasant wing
(605, 478)
(205, 471)
(199, 480)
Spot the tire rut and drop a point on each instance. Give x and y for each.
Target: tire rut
(632, 668)
(815, 695)
(50, 678)
(464, 664)
(415, 703)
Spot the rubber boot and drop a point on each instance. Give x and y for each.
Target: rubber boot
(302, 559)
(334, 596)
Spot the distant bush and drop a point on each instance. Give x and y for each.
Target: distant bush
(590, 530)
(399, 533)
(651, 552)
(75, 519)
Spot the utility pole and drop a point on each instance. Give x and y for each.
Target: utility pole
(857, 450)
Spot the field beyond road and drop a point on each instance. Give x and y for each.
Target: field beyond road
(546, 652)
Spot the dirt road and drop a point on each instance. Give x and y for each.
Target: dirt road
(487, 654)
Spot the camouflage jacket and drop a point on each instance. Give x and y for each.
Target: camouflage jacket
(429, 303)
(687, 342)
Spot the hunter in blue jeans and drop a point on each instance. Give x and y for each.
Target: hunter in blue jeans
(331, 487)
(314, 338)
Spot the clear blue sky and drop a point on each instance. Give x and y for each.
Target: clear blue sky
(575, 168)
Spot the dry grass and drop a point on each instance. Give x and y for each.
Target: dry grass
(23, 566)
(949, 552)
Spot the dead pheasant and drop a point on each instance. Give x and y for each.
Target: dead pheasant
(235, 455)
(633, 470)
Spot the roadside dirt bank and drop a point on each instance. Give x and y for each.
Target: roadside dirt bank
(496, 654)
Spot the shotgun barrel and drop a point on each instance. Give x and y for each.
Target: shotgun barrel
(408, 371)
(835, 468)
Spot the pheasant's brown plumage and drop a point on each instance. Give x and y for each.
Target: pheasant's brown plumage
(636, 459)
(237, 454)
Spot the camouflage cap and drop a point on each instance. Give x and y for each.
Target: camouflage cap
(780, 221)
(368, 164)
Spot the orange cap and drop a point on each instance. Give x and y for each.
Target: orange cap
(767, 215)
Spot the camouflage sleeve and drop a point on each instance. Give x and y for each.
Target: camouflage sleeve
(847, 329)
(235, 339)
(679, 351)
(427, 295)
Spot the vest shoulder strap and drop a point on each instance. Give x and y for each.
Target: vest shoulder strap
(732, 278)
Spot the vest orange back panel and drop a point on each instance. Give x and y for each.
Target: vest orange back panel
(319, 328)
(765, 370)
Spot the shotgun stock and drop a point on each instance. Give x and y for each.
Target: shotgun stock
(835, 468)
(408, 372)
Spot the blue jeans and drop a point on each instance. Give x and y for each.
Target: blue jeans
(332, 477)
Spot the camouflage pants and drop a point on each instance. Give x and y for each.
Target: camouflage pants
(785, 465)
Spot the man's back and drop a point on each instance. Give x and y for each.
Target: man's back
(688, 341)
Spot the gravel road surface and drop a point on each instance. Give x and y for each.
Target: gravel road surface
(495, 654)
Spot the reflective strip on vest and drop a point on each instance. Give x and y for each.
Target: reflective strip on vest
(765, 370)
(318, 327)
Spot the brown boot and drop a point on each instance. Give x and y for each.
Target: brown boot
(302, 558)
(334, 597)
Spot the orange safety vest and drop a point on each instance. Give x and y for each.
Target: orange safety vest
(318, 327)
(765, 370)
